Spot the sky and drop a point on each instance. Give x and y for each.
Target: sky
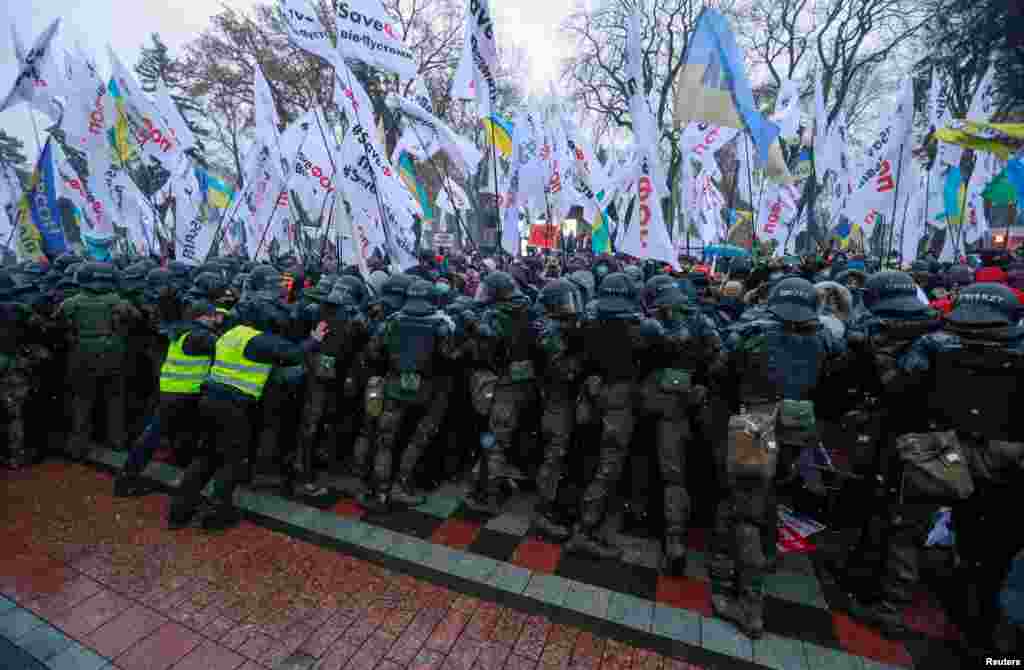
(126, 26)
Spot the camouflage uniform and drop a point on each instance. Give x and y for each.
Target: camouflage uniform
(21, 354)
(775, 365)
(98, 320)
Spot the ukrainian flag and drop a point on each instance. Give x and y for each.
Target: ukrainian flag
(407, 172)
(499, 133)
(119, 134)
(218, 194)
(954, 193)
(600, 242)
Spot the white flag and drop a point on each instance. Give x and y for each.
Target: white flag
(983, 104)
(875, 182)
(366, 33)
(457, 147)
(267, 122)
(93, 212)
(194, 231)
(452, 198)
(787, 109)
(35, 81)
(172, 117)
(476, 76)
(305, 29)
(146, 125)
(775, 217)
(647, 236)
(418, 139)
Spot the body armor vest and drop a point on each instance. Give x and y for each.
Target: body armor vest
(610, 344)
(976, 389)
(11, 327)
(415, 340)
(779, 365)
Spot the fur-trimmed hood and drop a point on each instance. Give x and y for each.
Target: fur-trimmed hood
(834, 299)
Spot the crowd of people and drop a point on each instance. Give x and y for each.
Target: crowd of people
(590, 379)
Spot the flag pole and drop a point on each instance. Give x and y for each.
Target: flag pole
(895, 204)
(35, 128)
(373, 177)
(444, 184)
(750, 190)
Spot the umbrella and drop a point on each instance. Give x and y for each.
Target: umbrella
(725, 251)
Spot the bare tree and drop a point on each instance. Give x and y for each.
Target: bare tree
(595, 75)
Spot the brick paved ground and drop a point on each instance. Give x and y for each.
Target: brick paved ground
(92, 582)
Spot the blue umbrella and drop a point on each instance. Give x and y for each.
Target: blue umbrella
(725, 251)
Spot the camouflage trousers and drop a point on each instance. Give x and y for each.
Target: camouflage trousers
(745, 518)
(430, 404)
(15, 388)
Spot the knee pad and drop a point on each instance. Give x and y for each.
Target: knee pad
(751, 505)
(389, 424)
(748, 546)
(502, 418)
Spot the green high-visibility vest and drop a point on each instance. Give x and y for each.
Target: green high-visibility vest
(182, 373)
(232, 368)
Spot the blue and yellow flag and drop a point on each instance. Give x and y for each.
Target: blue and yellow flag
(712, 85)
(407, 172)
(954, 194)
(498, 131)
(40, 233)
(600, 242)
(123, 145)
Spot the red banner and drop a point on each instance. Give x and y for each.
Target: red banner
(543, 235)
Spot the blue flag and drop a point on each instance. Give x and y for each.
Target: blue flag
(712, 85)
(40, 215)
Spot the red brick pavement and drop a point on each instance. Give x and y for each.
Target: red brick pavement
(107, 573)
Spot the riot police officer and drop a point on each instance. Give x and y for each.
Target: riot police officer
(561, 353)
(413, 341)
(775, 364)
(674, 388)
(506, 351)
(98, 321)
(21, 355)
(613, 341)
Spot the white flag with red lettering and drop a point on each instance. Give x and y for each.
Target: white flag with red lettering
(647, 236)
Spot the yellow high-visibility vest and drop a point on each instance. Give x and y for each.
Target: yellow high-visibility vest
(232, 368)
(182, 373)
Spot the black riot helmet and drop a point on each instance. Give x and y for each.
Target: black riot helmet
(652, 286)
(420, 298)
(617, 294)
(8, 287)
(208, 286)
(794, 300)
(496, 287)
(357, 287)
(561, 299)
(133, 277)
(98, 277)
(393, 291)
(584, 281)
(181, 274)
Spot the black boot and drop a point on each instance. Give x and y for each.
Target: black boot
(181, 513)
(376, 500)
(221, 516)
(131, 486)
(404, 493)
(588, 542)
(673, 556)
(546, 524)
